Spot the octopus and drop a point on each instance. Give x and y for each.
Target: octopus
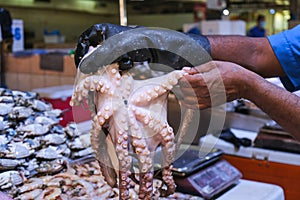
(133, 115)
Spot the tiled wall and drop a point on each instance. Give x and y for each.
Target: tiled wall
(24, 73)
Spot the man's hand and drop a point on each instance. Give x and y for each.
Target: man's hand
(213, 84)
(202, 88)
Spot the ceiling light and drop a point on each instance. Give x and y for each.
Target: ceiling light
(272, 11)
(226, 12)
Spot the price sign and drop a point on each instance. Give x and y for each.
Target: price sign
(18, 33)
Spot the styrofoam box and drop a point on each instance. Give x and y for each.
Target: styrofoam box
(55, 92)
(49, 39)
(223, 27)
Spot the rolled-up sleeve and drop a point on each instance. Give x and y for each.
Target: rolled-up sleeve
(286, 46)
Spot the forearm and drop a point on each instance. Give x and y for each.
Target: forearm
(281, 105)
(207, 82)
(254, 54)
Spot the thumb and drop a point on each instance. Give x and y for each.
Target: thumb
(190, 70)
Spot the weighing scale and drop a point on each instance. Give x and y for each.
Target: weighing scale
(202, 173)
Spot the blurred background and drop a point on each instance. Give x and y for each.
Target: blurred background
(71, 17)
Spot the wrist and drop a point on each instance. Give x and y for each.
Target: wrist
(203, 41)
(250, 84)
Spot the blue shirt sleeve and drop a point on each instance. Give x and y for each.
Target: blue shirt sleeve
(286, 46)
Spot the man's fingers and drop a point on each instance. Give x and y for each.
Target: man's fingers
(194, 80)
(194, 104)
(201, 68)
(206, 67)
(194, 86)
(190, 70)
(196, 92)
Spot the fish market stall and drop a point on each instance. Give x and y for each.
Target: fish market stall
(40, 159)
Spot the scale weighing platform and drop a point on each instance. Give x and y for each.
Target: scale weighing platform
(207, 175)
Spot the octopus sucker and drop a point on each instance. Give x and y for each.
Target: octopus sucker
(133, 114)
(124, 181)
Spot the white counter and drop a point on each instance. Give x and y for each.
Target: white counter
(252, 190)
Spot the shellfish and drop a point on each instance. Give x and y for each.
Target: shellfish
(11, 178)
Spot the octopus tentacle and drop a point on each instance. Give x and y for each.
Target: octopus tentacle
(145, 168)
(155, 88)
(138, 142)
(104, 113)
(187, 119)
(124, 165)
(168, 150)
(147, 119)
(83, 87)
(96, 82)
(122, 150)
(99, 145)
(146, 185)
(168, 181)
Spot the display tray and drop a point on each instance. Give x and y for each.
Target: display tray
(276, 139)
(251, 152)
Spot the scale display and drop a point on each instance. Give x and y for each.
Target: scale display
(204, 175)
(214, 179)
